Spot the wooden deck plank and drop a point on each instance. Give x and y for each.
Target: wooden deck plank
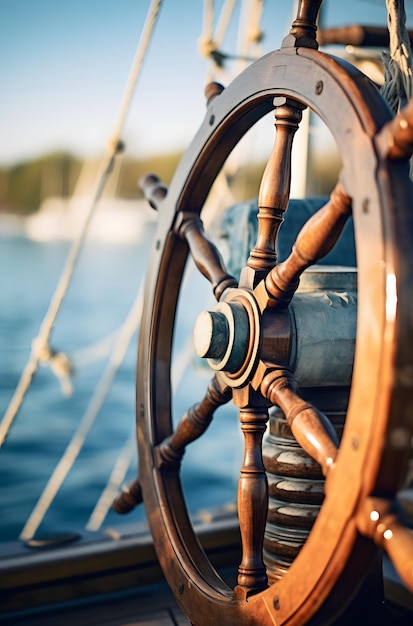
(153, 606)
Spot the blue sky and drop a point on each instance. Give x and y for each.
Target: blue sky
(64, 65)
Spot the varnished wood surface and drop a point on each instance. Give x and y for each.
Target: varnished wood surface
(338, 560)
(356, 35)
(336, 92)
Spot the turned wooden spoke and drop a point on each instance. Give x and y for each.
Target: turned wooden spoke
(398, 134)
(129, 497)
(153, 189)
(252, 504)
(311, 428)
(212, 90)
(275, 188)
(169, 454)
(376, 520)
(206, 256)
(317, 237)
(192, 425)
(304, 28)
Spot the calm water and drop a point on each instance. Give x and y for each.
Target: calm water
(105, 284)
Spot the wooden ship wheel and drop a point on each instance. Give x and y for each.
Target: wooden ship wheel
(254, 343)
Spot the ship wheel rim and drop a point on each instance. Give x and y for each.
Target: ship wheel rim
(186, 568)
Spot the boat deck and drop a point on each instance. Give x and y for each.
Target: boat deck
(112, 579)
(117, 581)
(154, 606)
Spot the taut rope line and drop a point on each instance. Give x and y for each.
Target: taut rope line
(40, 344)
(76, 443)
(208, 44)
(398, 72)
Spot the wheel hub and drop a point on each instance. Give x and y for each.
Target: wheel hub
(222, 336)
(316, 331)
(229, 336)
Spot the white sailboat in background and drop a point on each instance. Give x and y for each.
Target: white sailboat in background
(117, 220)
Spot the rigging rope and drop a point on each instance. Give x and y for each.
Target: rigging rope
(125, 458)
(116, 478)
(209, 45)
(398, 75)
(252, 35)
(40, 344)
(75, 445)
(98, 351)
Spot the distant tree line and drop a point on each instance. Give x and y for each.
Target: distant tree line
(25, 185)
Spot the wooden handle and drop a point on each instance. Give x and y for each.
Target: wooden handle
(153, 189)
(191, 426)
(399, 133)
(212, 90)
(357, 35)
(376, 520)
(304, 28)
(129, 498)
(204, 253)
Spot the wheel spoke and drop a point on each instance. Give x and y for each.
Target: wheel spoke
(129, 497)
(304, 28)
(206, 256)
(153, 189)
(192, 425)
(274, 192)
(252, 504)
(317, 237)
(311, 428)
(169, 454)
